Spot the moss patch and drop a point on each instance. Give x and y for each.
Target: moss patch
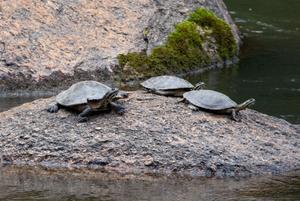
(185, 48)
(220, 30)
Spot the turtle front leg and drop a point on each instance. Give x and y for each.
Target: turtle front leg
(53, 107)
(118, 108)
(83, 116)
(234, 115)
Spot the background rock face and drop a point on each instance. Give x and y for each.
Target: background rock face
(156, 134)
(52, 42)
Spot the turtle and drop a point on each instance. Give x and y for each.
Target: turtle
(169, 85)
(87, 97)
(216, 102)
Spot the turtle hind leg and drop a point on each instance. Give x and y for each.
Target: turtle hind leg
(118, 108)
(181, 100)
(193, 107)
(83, 116)
(53, 108)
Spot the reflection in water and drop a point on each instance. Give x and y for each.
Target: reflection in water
(34, 184)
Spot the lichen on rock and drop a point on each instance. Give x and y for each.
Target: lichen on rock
(197, 42)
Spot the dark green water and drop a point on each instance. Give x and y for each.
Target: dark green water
(269, 68)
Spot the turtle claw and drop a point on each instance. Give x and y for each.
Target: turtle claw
(83, 116)
(53, 108)
(121, 111)
(82, 119)
(236, 118)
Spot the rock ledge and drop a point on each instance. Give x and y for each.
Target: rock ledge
(156, 135)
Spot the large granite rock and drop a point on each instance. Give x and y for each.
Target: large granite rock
(51, 43)
(157, 134)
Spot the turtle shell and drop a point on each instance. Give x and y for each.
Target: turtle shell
(209, 99)
(78, 93)
(166, 82)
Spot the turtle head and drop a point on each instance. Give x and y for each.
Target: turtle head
(109, 96)
(121, 95)
(101, 103)
(245, 104)
(249, 102)
(199, 85)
